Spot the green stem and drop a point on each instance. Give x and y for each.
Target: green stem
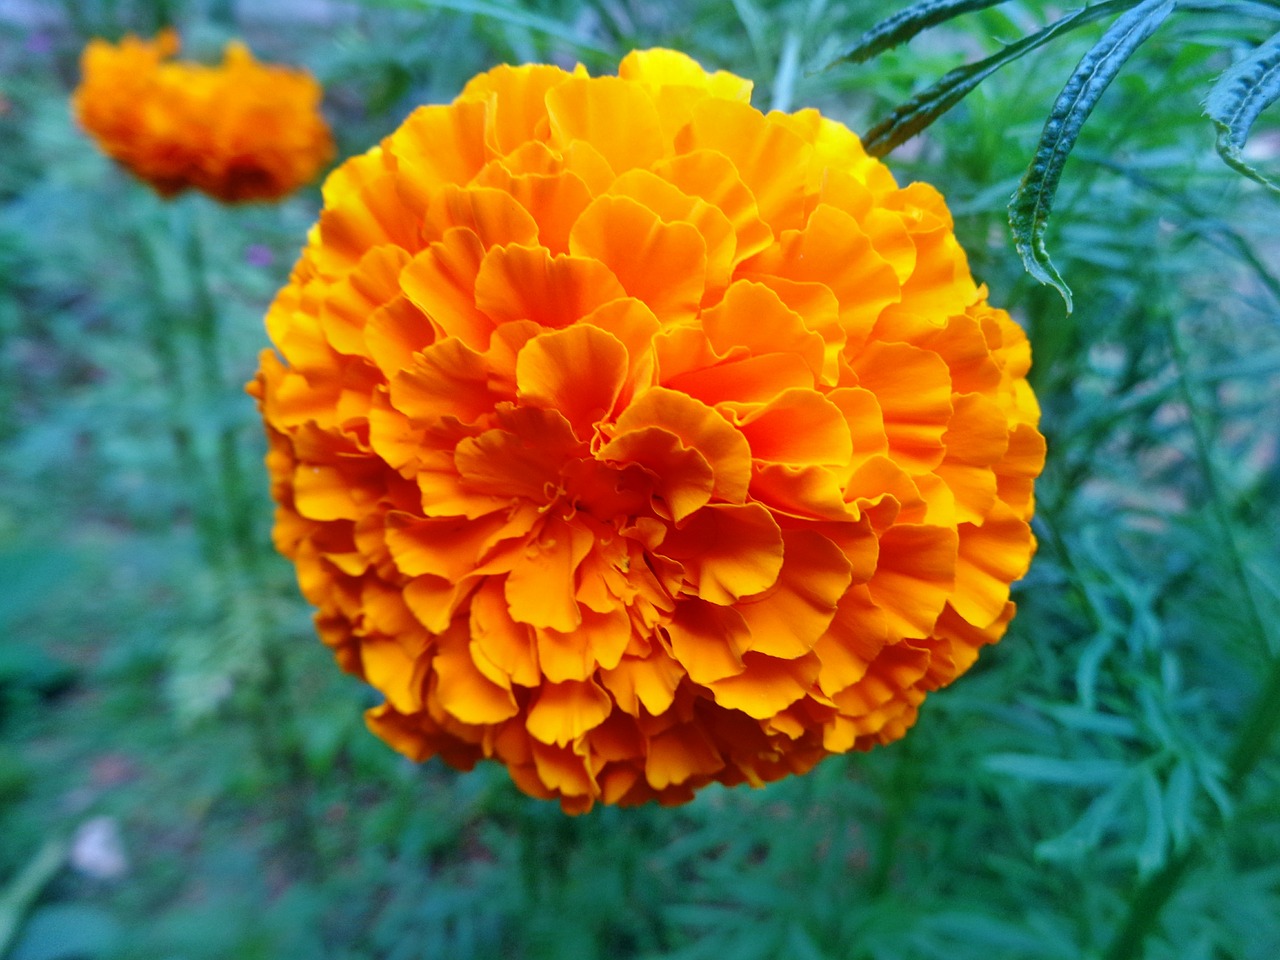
(1254, 736)
(22, 892)
(1146, 905)
(1253, 608)
(271, 716)
(164, 334)
(899, 797)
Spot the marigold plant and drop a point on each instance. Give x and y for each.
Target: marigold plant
(239, 131)
(639, 440)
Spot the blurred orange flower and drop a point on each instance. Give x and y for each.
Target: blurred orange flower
(240, 131)
(639, 440)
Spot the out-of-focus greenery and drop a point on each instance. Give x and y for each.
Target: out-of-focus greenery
(158, 669)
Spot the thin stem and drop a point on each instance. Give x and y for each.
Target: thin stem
(1253, 609)
(886, 853)
(20, 895)
(1146, 904)
(1253, 737)
(163, 335)
(270, 715)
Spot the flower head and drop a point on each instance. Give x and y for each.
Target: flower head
(240, 131)
(640, 440)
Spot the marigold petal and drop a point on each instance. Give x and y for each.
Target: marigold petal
(800, 428)
(683, 480)
(711, 176)
(771, 160)
(671, 204)
(753, 316)
(449, 547)
(386, 210)
(564, 772)
(563, 712)
(810, 493)
(441, 282)
(990, 558)
(750, 380)
(324, 493)
(976, 439)
(528, 283)
(372, 282)
(435, 600)
(1021, 464)
(494, 216)
(540, 587)
(399, 732)
(894, 671)
(708, 640)
(441, 144)
(854, 639)
(578, 371)
(699, 427)
(913, 390)
(833, 250)
(789, 618)
(728, 551)
(522, 458)
(588, 111)
(679, 754)
(554, 200)
(463, 690)
(664, 68)
(447, 379)
(508, 646)
(516, 99)
(389, 667)
(634, 325)
(663, 264)
(915, 576)
(598, 642)
(767, 685)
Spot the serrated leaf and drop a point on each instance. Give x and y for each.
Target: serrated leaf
(1085, 834)
(904, 25)
(910, 118)
(1030, 205)
(1238, 96)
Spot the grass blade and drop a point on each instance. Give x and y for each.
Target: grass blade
(924, 108)
(21, 893)
(1031, 203)
(509, 13)
(904, 25)
(1239, 95)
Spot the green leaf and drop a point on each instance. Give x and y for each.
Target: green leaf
(1155, 840)
(1238, 96)
(904, 25)
(1031, 203)
(925, 107)
(1086, 833)
(68, 932)
(1039, 769)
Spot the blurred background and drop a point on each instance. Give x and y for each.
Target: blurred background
(185, 774)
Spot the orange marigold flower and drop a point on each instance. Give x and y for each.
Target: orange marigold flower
(638, 440)
(240, 131)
